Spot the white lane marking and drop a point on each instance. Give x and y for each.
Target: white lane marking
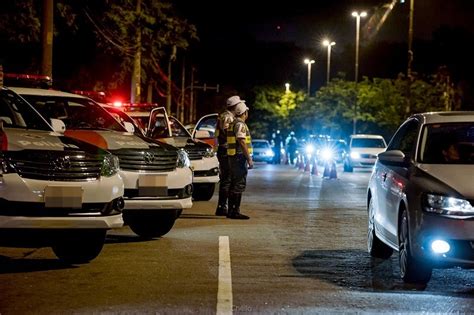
(224, 289)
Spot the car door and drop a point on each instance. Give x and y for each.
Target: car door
(391, 180)
(205, 129)
(158, 124)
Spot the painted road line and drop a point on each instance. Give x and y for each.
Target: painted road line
(224, 290)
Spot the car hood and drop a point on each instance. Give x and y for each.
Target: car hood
(458, 177)
(111, 140)
(19, 139)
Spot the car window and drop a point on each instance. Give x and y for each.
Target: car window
(260, 145)
(207, 127)
(178, 130)
(448, 143)
(16, 113)
(367, 143)
(405, 138)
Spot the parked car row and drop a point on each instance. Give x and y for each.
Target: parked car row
(70, 171)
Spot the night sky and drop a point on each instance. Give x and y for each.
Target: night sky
(246, 42)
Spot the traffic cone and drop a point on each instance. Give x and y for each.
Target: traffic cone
(307, 167)
(333, 171)
(314, 169)
(326, 170)
(301, 164)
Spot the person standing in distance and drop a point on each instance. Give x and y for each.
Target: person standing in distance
(240, 152)
(224, 120)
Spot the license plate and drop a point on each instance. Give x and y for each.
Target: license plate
(153, 185)
(63, 197)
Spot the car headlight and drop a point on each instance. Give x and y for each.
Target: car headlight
(355, 155)
(209, 153)
(448, 206)
(183, 159)
(110, 165)
(327, 154)
(269, 153)
(309, 149)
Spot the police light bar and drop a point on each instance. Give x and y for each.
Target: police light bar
(28, 80)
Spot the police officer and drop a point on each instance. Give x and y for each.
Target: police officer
(240, 156)
(223, 122)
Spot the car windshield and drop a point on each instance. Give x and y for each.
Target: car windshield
(75, 112)
(16, 113)
(260, 145)
(177, 129)
(448, 143)
(367, 143)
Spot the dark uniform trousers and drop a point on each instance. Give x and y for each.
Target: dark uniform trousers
(238, 165)
(224, 175)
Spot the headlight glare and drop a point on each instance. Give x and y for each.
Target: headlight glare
(110, 165)
(327, 154)
(183, 159)
(355, 155)
(448, 206)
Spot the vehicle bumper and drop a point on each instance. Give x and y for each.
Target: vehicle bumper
(22, 204)
(363, 163)
(177, 196)
(206, 170)
(459, 233)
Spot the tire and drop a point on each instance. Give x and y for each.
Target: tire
(150, 225)
(375, 246)
(79, 247)
(412, 270)
(203, 192)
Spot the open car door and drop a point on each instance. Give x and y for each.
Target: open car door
(158, 124)
(205, 130)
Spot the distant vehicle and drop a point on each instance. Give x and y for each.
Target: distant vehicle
(363, 151)
(421, 195)
(262, 151)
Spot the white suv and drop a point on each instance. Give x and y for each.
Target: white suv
(157, 177)
(363, 150)
(54, 191)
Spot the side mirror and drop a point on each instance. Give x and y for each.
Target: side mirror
(58, 125)
(393, 157)
(129, 127)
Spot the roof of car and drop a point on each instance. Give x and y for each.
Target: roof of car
(259, 140)
(43, 92)
(366, 136)
(446, 117)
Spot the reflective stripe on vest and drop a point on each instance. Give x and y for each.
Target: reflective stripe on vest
(233, 147)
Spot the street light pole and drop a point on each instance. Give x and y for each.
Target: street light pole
(357, 15)
(309, 63)
(329, 44)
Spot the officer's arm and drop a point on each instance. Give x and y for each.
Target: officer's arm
(245, 151)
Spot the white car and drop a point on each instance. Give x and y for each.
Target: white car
(54, 190)
(262, 151)
(157, 177)
(363, 151)
(156, 124)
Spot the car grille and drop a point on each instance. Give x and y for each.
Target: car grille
(368, 156)
(153, 160)
(73, 165)
(195, 153)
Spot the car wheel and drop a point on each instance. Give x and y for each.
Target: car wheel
(79, 247)
(203, 192)
(412, 270)
(151, 225)
(375, 246)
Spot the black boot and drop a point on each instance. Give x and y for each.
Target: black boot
(222, 205)
(234, 205)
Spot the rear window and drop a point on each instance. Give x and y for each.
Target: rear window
(367, 143)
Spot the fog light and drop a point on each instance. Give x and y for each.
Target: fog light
(440, 247)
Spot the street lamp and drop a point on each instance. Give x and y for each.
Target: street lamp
(309, 63)
(287, 87)
(357, 15)
(329, 44)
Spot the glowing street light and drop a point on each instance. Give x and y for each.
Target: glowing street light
(287, 87)
(329, 44)
(309, 63)
(357, 15)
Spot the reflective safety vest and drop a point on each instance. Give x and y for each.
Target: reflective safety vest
(233, 146)
(224, 118)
